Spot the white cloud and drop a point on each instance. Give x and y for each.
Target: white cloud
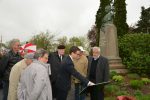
(24, 18)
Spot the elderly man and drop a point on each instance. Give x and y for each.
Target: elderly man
(55, 59)
(34, 82)
(16, 73)
(7, 62)
(98, 71)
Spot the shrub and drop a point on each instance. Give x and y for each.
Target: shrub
(143, 97)
(133, 76)
(135, 52)
(118, 78)
(113, 73)
(138, 93)
(110, 98)
(119, 93)
(136, 84)
(111, 89)
(145, 80)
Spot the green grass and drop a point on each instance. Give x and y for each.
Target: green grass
(110, 98)
(143, 97)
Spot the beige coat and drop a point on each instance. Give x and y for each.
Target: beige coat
(81, 66)
(34, 82)
(14, 79)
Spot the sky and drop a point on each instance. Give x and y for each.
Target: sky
(25, 18)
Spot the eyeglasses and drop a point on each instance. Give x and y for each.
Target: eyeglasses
(77, 54)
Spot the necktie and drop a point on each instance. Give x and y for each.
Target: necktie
(60, 58)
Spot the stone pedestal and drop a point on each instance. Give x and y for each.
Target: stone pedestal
(115, 64)
(109, 48)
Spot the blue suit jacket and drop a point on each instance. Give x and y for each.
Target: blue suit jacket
(64, 77)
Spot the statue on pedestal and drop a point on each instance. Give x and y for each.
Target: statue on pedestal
(109, 42)
(108, 34)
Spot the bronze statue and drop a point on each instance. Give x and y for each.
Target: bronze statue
(108, 18)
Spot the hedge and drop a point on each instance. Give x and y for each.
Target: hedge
(134, 49)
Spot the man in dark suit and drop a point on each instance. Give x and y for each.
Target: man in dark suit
(64, 77)
(98, 71)
(55, 59)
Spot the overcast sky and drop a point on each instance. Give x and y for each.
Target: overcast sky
(24, 18)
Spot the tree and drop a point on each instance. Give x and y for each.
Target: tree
(99, 16)
(92, 36)
(43, 40)
(62, 40)
(77, 41)
(143, 25)
(3, 45)
(120, 17)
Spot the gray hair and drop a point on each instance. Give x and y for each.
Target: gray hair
(97, 48)
(29, 56)
(40, 53)
(12, 42)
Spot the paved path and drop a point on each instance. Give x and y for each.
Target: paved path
(71, 94)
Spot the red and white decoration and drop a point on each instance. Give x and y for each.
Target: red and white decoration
(29, 48)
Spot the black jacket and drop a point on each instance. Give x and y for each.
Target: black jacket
(55, 62)
(64, 77)
(102, 69)
(7, 62)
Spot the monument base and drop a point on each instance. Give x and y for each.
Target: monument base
(115, 64)
(109, 48)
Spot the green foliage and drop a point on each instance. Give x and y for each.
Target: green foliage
(118, 78)
(77, 41)
(92, 35)
(135, 52)
(110, 98)
(144, 23)
(145, 80)
(113, 73)
(111, 89)
(3, 45)
(62, 40)
(119, 93)
(143, 97)
(133, 76)
(136, 84)
(120, 17)
(138, 93)
(43, 40)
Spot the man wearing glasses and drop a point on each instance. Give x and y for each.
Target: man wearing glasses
(67, 69)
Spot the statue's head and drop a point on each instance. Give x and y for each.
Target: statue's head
(108, 8)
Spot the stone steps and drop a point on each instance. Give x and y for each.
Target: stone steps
(115, 64)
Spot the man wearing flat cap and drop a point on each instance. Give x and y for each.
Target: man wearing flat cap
(55, 59)
(16, 73)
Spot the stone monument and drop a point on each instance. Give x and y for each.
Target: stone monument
(109, 43)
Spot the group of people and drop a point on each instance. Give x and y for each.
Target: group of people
(48, 76)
